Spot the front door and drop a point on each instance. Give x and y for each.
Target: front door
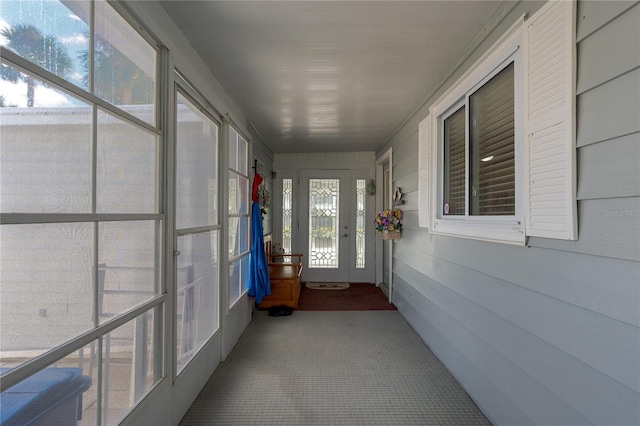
(325, 229)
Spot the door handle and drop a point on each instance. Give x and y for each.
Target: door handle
(345, 235)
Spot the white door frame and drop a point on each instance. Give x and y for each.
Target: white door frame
(387, 157)
(360, 164)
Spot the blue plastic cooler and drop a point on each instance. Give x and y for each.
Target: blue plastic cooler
(52, 396)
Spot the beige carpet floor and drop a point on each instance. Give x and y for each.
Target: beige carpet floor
(332, 368)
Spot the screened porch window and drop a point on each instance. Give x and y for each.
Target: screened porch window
(197, 229)
(239, 216)
(81, 283)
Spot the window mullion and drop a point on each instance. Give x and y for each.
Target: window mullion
(41, 218)
(94, 203)
(92, 44)
(94, 199)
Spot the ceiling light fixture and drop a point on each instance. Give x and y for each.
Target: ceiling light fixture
(488, 158)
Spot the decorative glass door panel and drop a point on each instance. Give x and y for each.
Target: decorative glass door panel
(324, 227)
(324, 217)
(324, 209)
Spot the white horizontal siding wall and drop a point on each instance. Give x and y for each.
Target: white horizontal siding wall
(545, 334)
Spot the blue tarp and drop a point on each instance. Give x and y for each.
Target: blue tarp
(259, 282)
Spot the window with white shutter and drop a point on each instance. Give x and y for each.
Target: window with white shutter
(502, 147)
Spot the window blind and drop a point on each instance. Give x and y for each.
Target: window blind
(454, 162)
(492, 150)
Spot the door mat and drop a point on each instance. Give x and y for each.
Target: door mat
(327, 286)
(358, 297)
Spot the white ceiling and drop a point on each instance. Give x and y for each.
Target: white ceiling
(318, 76)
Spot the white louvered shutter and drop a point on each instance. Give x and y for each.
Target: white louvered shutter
(424, 172)
(550, 163)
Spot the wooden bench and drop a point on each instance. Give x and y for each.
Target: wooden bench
(285, 278)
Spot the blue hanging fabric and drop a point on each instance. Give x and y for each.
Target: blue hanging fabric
(259, 282)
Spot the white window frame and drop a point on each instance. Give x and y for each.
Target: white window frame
(184, 88)
(244, 289)
(506, 229)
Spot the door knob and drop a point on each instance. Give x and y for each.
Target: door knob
(345, 235)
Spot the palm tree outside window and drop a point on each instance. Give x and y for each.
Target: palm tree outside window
(46, 51)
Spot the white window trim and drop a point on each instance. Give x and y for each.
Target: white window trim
(239, 257)
(505, 229)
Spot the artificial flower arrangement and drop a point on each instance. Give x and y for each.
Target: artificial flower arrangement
(264, 198)
(389, 220)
